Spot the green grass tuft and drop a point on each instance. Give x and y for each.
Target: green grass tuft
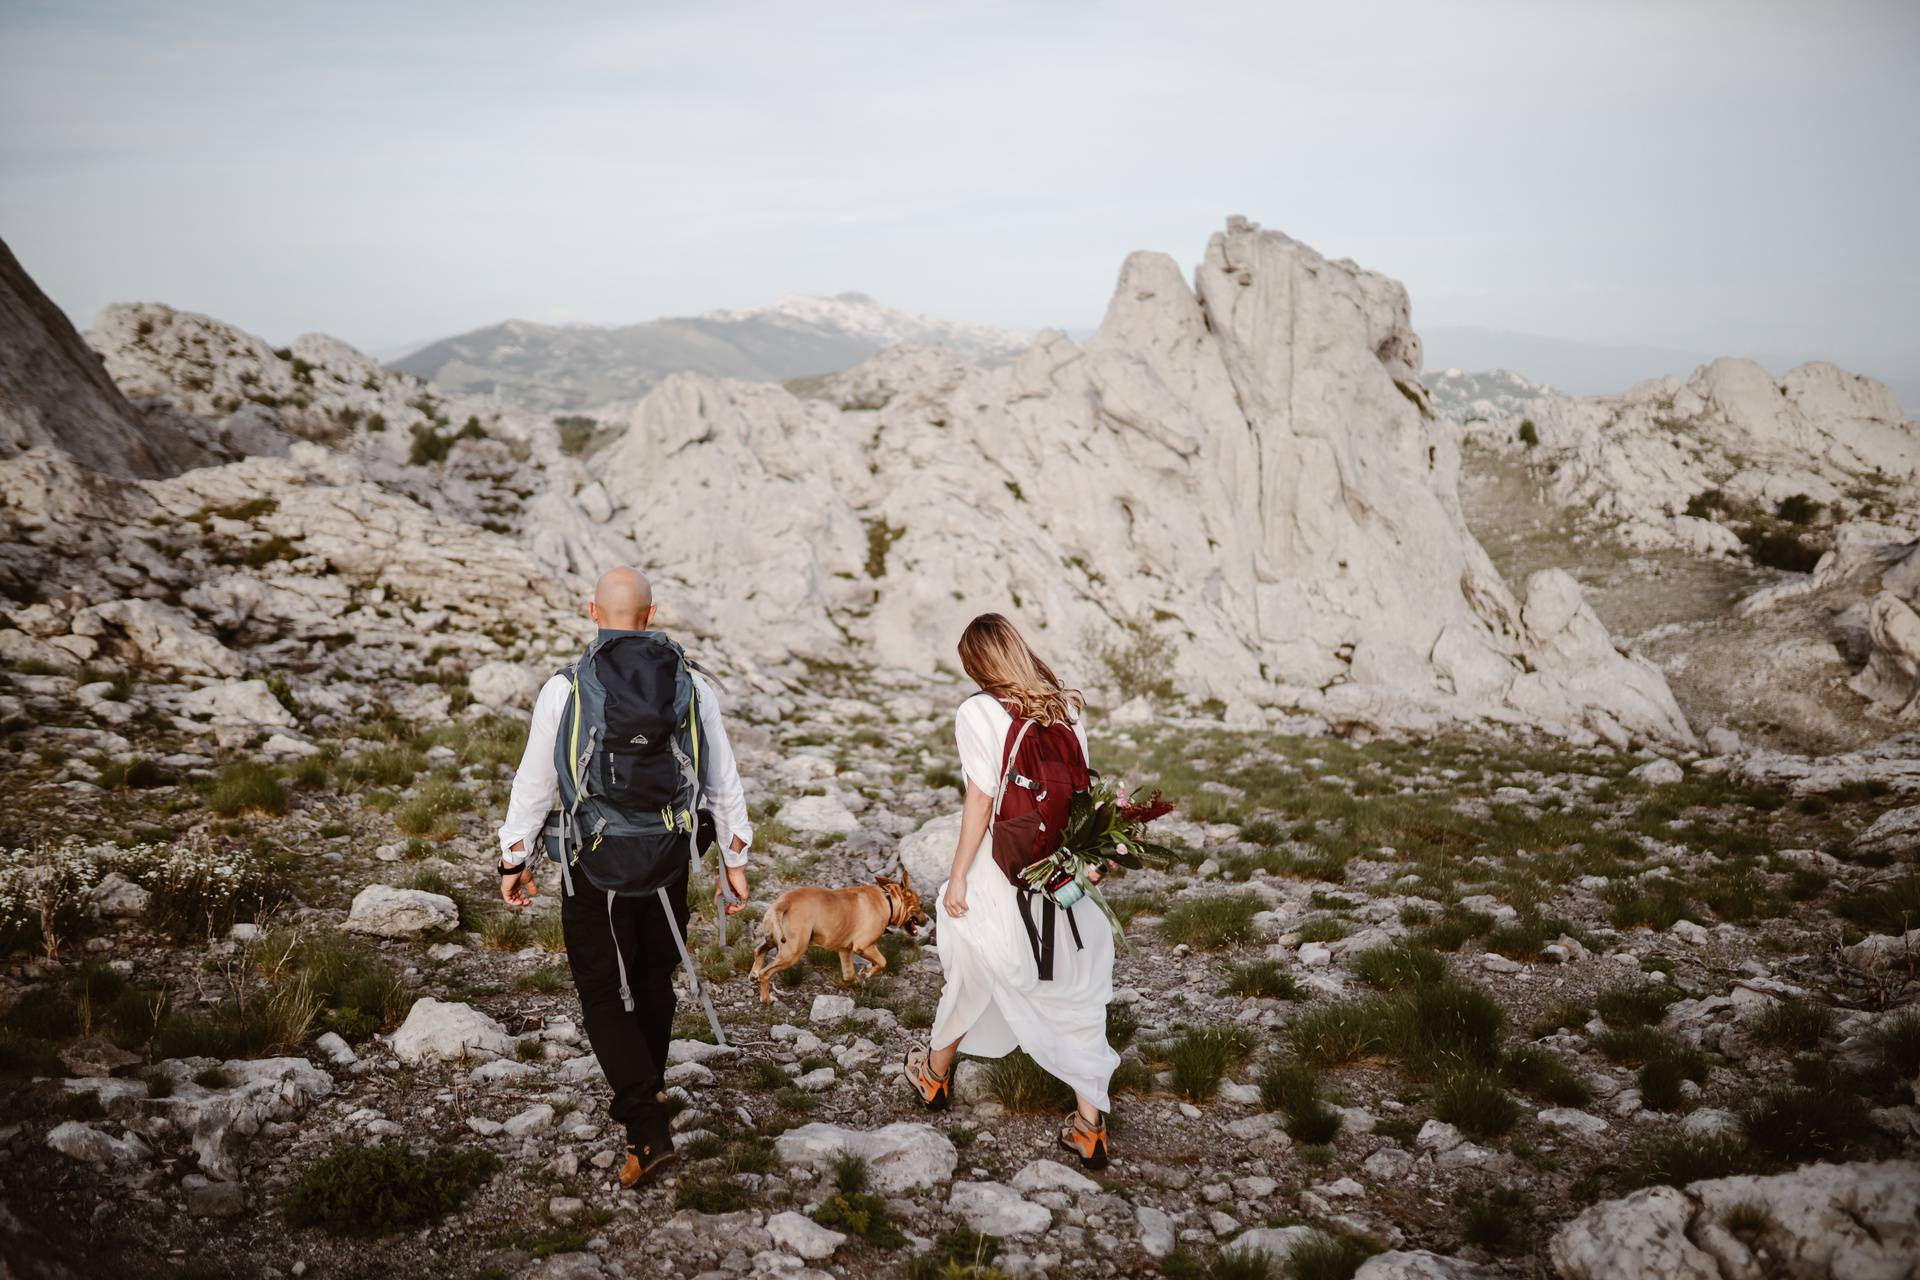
(1219, 920)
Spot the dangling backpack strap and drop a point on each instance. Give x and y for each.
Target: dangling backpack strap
(693, 972)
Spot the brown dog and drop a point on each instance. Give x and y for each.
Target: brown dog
(849, 921)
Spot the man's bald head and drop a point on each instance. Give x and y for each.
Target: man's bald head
(623, 599)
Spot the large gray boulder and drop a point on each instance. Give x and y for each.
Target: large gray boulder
(1824, 1222)
(446, 1031)
(1892, 674)
(387, 912)
(927, 854)
(899, 1156)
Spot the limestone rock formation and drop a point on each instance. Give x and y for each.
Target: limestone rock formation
(1731, 436)
(1247, 470)
(54, 392)
(1823, 1220)
(1242, 476)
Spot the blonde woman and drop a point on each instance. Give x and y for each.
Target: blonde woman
(994, 998)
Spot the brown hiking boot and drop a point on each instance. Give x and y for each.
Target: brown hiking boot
(1089, 1142)
(646, 1160)
(936, 1091)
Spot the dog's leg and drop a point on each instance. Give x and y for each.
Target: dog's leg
(769, 944)
(846, 968)
(793, 950)
(872, 954)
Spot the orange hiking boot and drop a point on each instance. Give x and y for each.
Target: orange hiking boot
(1089, 1142)
(936, 1091)
(646, 1160)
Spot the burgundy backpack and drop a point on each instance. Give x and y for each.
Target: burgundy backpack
(1041, 766)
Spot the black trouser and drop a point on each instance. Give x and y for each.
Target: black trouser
(631, 1045)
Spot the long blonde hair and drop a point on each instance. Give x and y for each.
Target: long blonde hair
(996, 658)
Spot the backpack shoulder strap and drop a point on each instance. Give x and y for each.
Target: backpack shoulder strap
(1009, 754)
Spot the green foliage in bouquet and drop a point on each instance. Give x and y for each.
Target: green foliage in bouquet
(1104, 830)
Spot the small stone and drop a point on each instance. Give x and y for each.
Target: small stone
(1573, 1120)
(994, 1209)
(97, 1058)
(217, 1200)
(1388, 1164)
(1657, 773)
(537, 1118)
(565, 1208)
(1051, 1175)
(1689, 932)
(830, 1008)
(1156, 1231)
(802, 1236)
(338, 1051)
(816, 1080)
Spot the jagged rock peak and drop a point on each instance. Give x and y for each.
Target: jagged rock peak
(53, 391)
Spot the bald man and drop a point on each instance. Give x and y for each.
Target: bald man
(631, 1044)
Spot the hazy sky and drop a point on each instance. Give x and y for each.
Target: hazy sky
(1740, 176)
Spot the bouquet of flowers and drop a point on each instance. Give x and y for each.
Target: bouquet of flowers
(1104, 830)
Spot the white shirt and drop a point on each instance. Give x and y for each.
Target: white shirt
(980, 727)
(536, 785)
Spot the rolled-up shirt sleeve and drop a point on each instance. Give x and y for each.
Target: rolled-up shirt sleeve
(535, 784)
(726, 798)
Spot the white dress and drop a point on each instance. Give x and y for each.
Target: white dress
(993, 1000)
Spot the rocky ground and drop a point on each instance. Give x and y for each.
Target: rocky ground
(1456, 996)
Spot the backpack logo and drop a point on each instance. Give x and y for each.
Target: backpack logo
(638, 740)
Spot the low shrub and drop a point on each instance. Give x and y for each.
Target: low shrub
(356, 992)
(1676, 1159)
(1635, 1004)
(394, 766)
(1475, 1104)
(1792, 1024)
(247, 786)
(1795, 1126)
(1545, 1075)
(1020, 1084)
(362, 1190)
(1495, 1219)
(1896, 1043)
(1392, 967)
(1637, 1046)
(1655, 902)
(1325, 1257)
(44, 895)
(1662, 1083)
(710, 1193)
(1201, 1058)
(1218, 920)
(1781, 549)
(198, 888)
(1265, 979)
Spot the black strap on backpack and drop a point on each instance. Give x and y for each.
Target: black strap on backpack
(1041, 939)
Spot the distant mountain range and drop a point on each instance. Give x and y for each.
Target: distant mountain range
(1595, 369)
(561, 368)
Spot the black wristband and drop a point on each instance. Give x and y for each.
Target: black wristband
(506, 870)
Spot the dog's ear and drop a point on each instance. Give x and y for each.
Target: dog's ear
(904, 882)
